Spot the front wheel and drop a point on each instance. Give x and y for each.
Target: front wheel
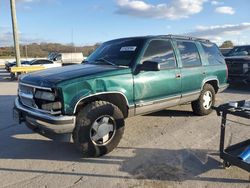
(99, 128)
(203, 106)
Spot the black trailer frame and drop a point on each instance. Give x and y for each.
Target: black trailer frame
(230, 154)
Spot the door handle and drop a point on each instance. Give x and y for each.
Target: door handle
(178, 76)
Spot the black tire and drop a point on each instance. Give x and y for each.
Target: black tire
(85, 119)
(198, 105)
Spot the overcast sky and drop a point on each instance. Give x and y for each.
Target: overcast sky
(87, 22)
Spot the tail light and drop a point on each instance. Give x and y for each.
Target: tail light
(245, 68)
(227, 71)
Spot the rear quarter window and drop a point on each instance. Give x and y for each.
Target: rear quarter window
(213, 54)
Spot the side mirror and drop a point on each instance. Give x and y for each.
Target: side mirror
(149, 66)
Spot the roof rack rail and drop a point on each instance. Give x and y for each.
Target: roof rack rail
(186, 37)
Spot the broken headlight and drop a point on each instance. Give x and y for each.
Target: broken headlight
(45, 95)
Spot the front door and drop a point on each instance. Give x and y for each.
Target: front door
(154, 90)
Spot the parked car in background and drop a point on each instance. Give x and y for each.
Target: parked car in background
(239, 51)
(66, 58)
(122, 78)
(36, 62)
(225, 51)
(238, 62)
(44, 62)
(11, 64)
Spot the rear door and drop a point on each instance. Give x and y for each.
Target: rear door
(192, 72)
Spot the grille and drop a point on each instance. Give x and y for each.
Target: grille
(28, 102)
(26, 89)
(235, 68)
(26, 95)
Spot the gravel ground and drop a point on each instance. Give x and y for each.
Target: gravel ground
(170, 148)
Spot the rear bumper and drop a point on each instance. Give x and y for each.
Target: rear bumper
(244, 78)
(45, 122)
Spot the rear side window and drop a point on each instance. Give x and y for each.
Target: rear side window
(37, 62)
(189, 54)
(160, 51)
(213, 54)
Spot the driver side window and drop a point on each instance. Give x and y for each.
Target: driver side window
(160, 51)
(37, 62)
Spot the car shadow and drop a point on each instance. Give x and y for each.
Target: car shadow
(174, 165)
(171, 113)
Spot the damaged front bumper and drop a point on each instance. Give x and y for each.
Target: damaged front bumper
(43, 122)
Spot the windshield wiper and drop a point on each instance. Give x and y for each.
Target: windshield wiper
(105, 61)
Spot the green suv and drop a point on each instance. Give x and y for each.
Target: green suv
(122, 78)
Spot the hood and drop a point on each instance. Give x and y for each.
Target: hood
(51, 77)
(237, 58)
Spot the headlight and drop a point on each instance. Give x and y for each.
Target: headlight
(45, 95)
(52, 106)
(245, 67)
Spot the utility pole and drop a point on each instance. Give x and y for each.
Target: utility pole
(26, 52)
(15, 31)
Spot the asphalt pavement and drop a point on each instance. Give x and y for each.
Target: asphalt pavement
(170, 148)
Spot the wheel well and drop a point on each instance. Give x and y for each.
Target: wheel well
(115, 98)
(214, 83)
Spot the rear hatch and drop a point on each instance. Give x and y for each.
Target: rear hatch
(238, 65)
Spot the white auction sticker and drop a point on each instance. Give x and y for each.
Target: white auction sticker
(128, 49)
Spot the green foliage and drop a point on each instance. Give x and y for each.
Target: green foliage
(43, 49)
(227, 44)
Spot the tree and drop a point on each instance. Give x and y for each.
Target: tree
(227, 44)
(43, 49)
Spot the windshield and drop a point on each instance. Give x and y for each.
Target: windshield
(32, 61)
(239, 51)
(121, 52)
(52, 56)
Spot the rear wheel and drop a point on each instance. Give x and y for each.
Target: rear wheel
(99, 128)
(203, 106)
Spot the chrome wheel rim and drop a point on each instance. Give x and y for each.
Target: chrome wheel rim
(102, 130)
(207, 100)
